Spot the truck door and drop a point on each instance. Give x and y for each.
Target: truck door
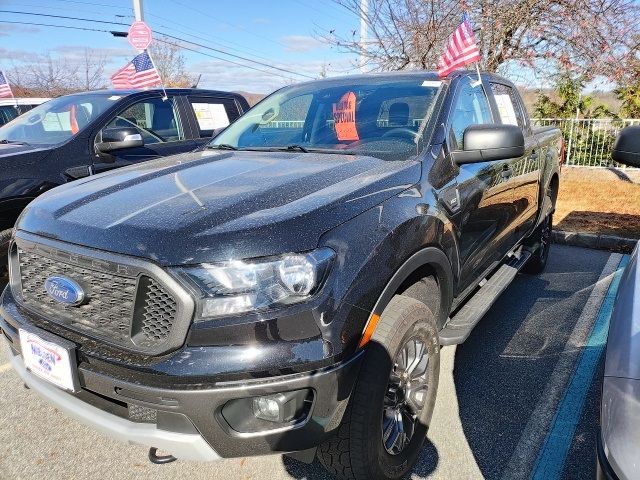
(525, 171)
(485, 209)
(211, 113)
(162, 131)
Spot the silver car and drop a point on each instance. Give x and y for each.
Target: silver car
(619, 439)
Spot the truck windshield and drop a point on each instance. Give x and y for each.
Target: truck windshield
(55, 121)
(375, 117)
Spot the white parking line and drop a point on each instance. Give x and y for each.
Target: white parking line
(525, 454)
(5, 367)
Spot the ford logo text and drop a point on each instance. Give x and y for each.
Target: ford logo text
(64, 290)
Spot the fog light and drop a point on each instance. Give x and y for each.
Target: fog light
(267, 412)
(281, 407)
(266, 408)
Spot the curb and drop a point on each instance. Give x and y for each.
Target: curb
(594, 240)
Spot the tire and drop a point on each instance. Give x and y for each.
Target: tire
(357, 450)
(541, 237)
(5, 238)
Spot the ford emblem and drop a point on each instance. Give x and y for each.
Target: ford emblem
(64, 290)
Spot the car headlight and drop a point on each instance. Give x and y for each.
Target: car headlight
(241, 286)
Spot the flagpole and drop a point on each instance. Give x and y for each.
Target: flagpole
(164, 91)
(479, 81)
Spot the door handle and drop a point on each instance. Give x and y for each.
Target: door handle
(506, 173)
(534, 155)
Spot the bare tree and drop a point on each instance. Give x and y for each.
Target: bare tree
(91, 70)
(52, 76)
(169, 59)
(589, 36)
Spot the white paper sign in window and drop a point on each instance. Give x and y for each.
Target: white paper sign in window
(506, 110)
(211, 115)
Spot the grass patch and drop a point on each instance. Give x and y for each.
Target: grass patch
(599, 201)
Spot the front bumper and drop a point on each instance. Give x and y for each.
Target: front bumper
(186, 420)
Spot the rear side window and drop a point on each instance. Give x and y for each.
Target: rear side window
(7, 113)
(471, 108)
(157, 120)
(25, 108)
(213, 113)
(509, 108)
(402, 112)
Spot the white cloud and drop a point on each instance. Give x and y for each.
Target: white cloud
(221, 75)
(301, 43)
(7, 29)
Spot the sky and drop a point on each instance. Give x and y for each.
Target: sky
(284, 34)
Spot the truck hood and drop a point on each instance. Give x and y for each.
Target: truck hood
(22, 152)
(210, 206)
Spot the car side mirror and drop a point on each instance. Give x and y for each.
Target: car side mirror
(486, 143)
(626, 149)
(117, 138)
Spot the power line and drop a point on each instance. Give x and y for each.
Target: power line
(225, 60)
(88, 29)
(233, 55)
(246, 51)
(49, 15)
(75, 9)
(93, 4)
(236, 56)
(240, 27)
(211, 38)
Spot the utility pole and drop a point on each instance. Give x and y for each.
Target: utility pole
(137, 10)
(364, 33)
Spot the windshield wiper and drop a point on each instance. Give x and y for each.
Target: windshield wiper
(222, 146)
(291, 148)
(5, 141)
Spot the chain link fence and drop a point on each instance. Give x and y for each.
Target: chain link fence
(588, 141)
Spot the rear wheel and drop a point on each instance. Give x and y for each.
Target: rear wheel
(388, 416)
(542, 239)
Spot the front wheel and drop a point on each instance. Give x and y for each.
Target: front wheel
(5, 239)
(388, 416)
(542, 238)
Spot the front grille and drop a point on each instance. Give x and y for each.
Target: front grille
(156, 314)
(141, 414)
(135, 312)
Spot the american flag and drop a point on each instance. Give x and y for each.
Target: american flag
(5, 88)
(461, 49)
(138, 73)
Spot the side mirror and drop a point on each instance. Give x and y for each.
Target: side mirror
(117, 138)
(485, 143)
(626, 150)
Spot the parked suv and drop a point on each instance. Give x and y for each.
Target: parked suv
(287, 288)
(83, 134)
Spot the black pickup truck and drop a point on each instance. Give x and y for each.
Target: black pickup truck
(286, 288)
(78, 135)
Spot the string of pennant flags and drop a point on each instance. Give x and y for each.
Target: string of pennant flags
(141, 72)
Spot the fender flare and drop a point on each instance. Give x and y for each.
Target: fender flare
(429, 256)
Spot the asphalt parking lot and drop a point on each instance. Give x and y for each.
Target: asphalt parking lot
(519, 399)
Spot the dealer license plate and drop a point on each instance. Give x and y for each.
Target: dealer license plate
(48, 360)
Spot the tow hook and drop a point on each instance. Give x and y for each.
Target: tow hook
(160, 459)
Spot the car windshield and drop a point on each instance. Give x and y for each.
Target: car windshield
(380, 117)
(55, 121)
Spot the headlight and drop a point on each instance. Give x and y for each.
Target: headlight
(241, 286)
